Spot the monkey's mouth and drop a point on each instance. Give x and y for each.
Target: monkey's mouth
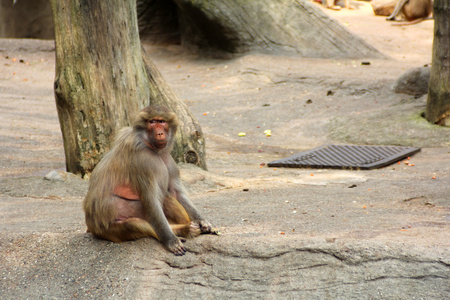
(160, 144)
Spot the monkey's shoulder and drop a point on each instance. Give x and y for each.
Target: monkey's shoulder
(126, 138)
(129, 141)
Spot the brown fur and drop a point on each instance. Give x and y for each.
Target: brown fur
(136, 191)
(414, 11)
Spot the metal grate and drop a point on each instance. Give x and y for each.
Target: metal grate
(346, 157)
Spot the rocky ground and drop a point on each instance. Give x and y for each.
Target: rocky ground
(286, 233)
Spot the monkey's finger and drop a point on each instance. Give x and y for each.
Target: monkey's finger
(215, 231)
(180, 251)
(205, 226)
(177, 248)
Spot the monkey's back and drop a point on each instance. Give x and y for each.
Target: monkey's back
(98, 205)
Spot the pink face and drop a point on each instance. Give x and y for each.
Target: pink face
(158, 130)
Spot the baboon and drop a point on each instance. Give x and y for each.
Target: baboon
(414, 11)
(135, 191)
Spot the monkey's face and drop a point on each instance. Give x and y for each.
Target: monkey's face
(158, 133)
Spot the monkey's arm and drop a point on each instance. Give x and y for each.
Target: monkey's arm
(152, 197)
(194, 215)
(177, 189)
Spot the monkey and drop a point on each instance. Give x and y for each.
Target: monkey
(135, 191)
(414, 11)
(332, 4)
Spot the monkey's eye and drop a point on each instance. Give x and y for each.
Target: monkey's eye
(156, 121)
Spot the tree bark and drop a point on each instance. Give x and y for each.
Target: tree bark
(103, 77)
(438, 101)
(225, 27)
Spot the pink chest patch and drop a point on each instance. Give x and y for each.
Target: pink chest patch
(125, 191)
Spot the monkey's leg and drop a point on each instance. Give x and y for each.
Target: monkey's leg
(397, 10)
(136, 228)
(179, 219)
(189, 230)
(174, 211)
(348, 5)
(331, 4)
(128, 230)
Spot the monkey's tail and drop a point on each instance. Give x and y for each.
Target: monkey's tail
(413, 22)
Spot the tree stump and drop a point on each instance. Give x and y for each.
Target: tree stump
(103, 78)
(438, 101)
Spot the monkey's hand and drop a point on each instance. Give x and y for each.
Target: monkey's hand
(176, 246)
(204, 225)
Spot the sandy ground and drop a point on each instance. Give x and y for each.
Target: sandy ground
(400, 207)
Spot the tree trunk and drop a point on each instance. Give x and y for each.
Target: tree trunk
(103, 77)
(438, 102)
(224, 27)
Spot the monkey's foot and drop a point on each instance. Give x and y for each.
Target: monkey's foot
(208, 229)
(176, 247)
(334, 7)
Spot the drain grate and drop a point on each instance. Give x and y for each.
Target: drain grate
(346, 157)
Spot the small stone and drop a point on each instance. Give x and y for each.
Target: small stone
(60, 176)
(53, 176)
(413, 82)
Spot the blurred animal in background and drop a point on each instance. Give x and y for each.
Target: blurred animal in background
(413, 11)
(333, 4)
